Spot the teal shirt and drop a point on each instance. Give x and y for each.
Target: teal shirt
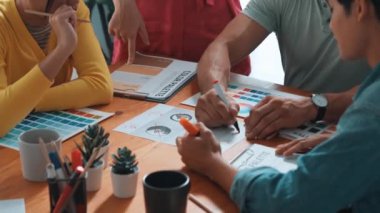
(309, 52)
(343, 171)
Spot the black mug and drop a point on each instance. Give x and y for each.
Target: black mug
(166, 191)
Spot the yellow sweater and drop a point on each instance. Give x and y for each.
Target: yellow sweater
(23, 86)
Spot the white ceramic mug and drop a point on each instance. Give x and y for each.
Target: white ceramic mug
(33, 162)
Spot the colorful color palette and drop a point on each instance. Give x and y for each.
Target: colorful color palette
(66, 123)
(246, 97)
(307, 130)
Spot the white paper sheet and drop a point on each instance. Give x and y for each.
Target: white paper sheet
(12, 206)
(262, 156)
(161, 124)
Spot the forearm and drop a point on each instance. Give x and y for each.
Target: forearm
(53, 63)
(212, 66)
(222, 173)
(238, 39)
(93, 85)
(121, 5)
(92, 89)
(20, 98)
(338, 103)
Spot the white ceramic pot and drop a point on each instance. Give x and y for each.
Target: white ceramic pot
(124, 186)
(94, 177)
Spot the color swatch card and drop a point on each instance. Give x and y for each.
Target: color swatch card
(307, 130)
(66, 123)
(12, 206)
(262, 156)
(161, 123)
(245, 94)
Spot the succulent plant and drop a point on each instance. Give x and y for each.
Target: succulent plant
(94, 136)
(124, 162)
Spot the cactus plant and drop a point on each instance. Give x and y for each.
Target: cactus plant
(94, 136)
(124, 162)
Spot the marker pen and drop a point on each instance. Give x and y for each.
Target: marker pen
(222, 96)
(190, 128)
(67, 191)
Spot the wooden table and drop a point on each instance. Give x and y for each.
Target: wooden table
(151, 156)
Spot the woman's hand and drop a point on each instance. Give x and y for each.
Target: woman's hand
(126, 23)
(63, 22)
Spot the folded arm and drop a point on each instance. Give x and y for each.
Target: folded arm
(93, 86)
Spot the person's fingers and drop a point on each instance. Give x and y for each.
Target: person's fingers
(298, 147)
(178, 141)
(303, 146)
(203, 130)
(220, 108)
(234, 107)
(264, 101)
(144, 34)
(208, 137)
(203, 116)
(213, 118)
(131, 49)
(111, 29)
(269, 124)
(255, 116)
(280, 149)
(113, 32)
(73, 20)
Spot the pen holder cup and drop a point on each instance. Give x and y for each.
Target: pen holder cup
(78, 200)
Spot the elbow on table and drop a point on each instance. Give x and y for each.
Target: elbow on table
(106, 94)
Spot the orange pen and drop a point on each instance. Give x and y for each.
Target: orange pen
(190, 128)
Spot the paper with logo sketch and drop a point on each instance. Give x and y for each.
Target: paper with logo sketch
(262, 156)
(161, 123)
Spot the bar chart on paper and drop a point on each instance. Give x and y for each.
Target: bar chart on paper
(66, 123)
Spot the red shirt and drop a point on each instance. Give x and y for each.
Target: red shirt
(182, 29)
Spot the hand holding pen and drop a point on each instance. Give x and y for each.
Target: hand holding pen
(215, 108)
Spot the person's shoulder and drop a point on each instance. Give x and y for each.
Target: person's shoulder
(281, 6)
(83, 12)
(368, 98)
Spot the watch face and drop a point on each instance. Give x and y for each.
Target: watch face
(319, 100)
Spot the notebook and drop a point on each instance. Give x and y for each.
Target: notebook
(162, 78)
(66, 123)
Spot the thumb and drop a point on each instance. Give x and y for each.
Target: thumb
(234, 108)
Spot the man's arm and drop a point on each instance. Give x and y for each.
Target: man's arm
(273, 114)
(237, 40)
(338, 103)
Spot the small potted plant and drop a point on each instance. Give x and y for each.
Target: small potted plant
(95, 134)
(124, 173)
(94, 137)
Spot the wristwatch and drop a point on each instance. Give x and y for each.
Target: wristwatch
(321, 102)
